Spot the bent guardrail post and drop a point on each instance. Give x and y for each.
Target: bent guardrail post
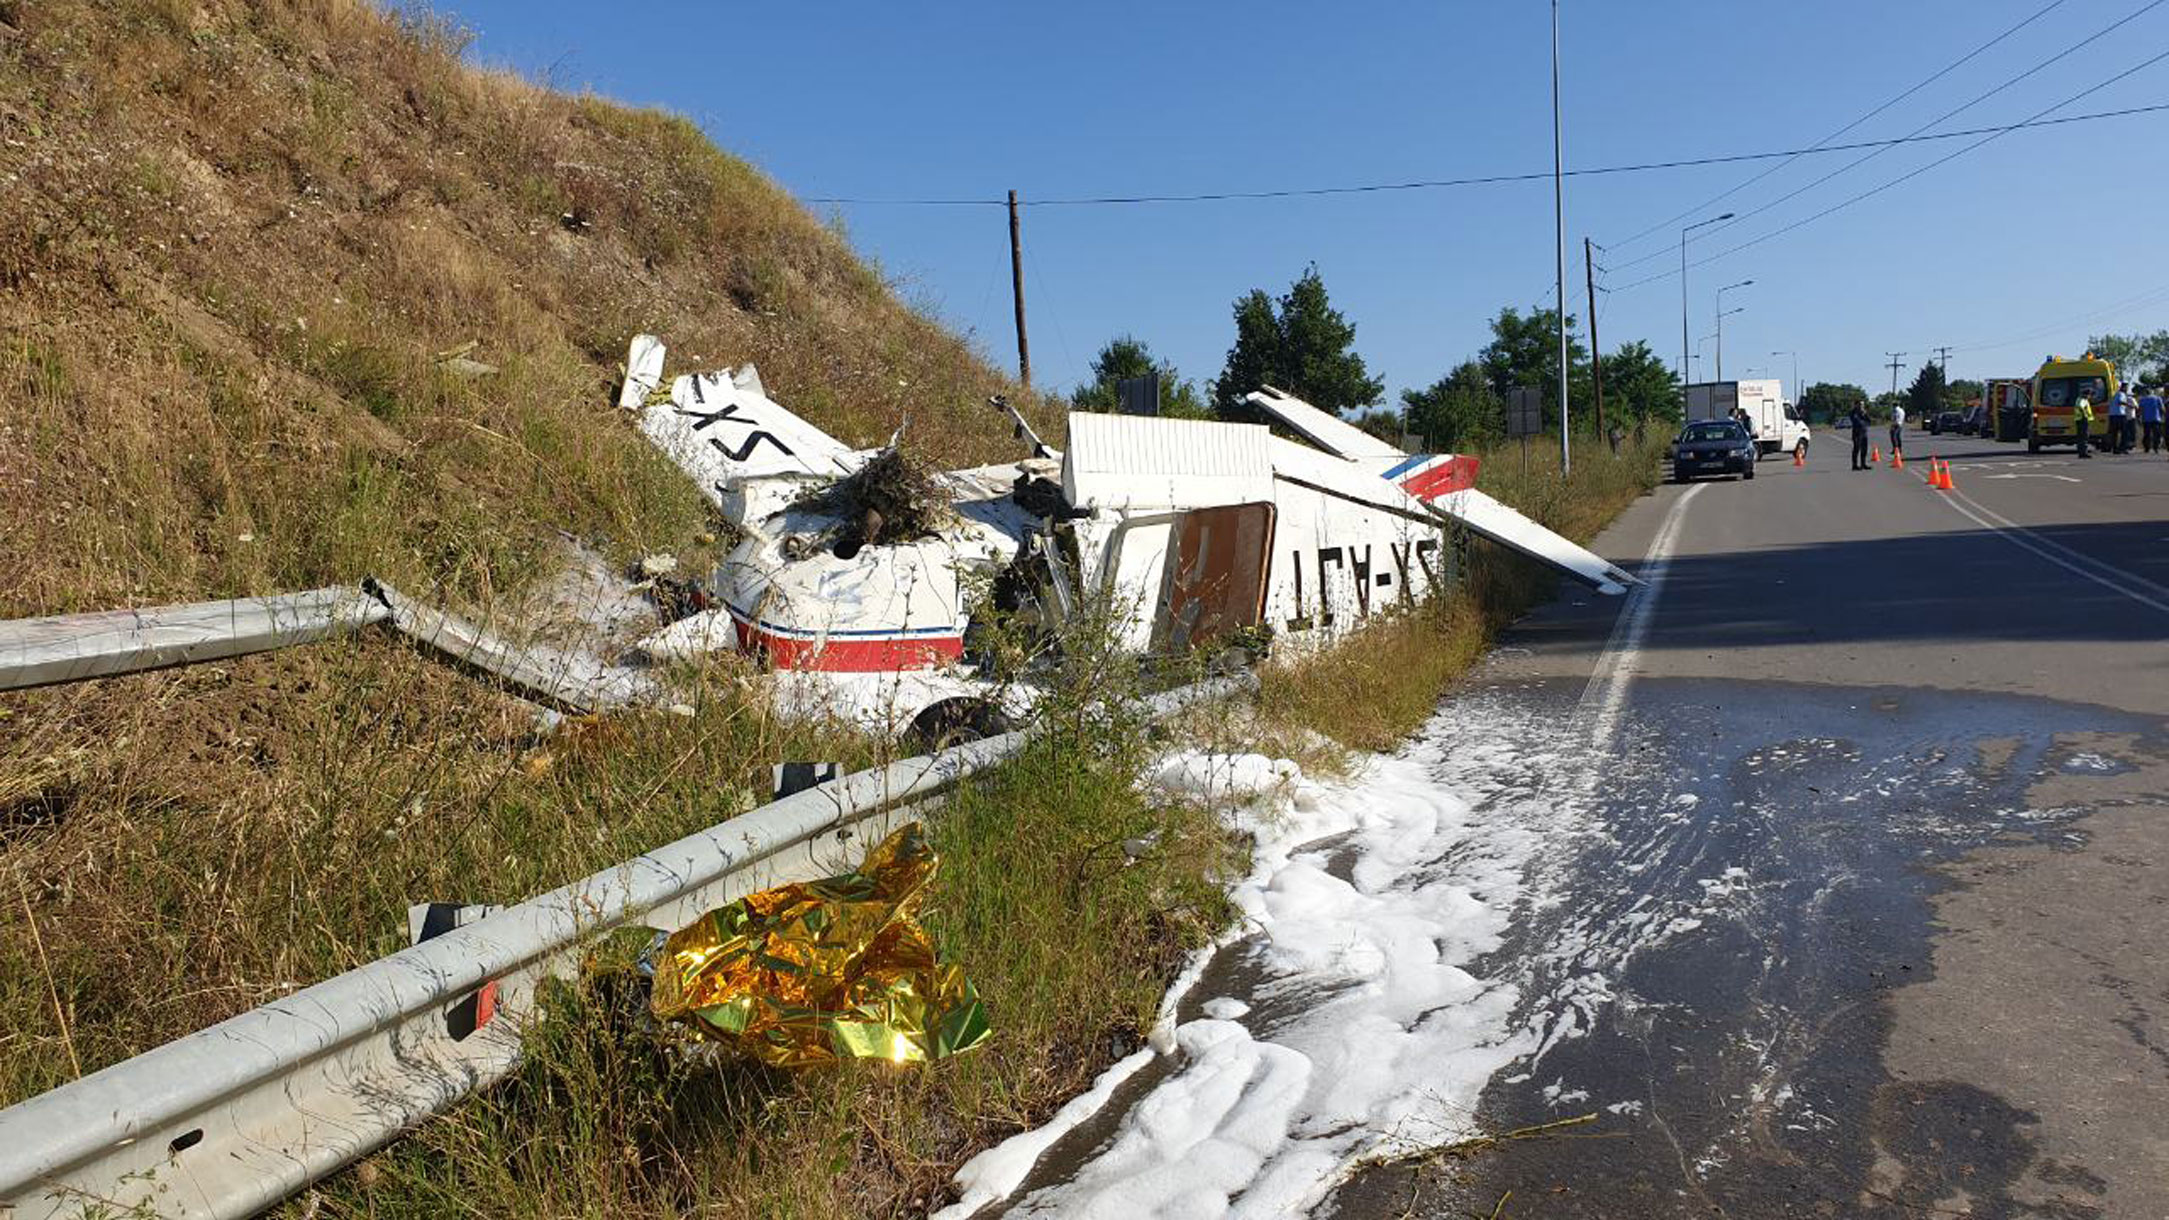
(571, 681)
(73, 647)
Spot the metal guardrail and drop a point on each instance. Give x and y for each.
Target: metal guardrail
(76, 647)
(233, 1118)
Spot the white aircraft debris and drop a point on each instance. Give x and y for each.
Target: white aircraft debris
(1193, 530)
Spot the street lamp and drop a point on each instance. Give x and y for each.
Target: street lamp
(1558, 220)
(1721, 324)
(1798, 390)
(1683, 285)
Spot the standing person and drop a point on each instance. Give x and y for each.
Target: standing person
(2082, 418)
(2150, 416)
(1858, 418)
(1897, 431)
(2120, 408)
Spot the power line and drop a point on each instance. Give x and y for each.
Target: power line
(1796, 192)
(2142, 300)
(1906, 177)
(1487, 179)
(1947, 69)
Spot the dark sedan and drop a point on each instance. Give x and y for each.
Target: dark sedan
(1945, 422)
(1713, 446)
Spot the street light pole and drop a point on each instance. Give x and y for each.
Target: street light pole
(1797, 389)
(1721, 324)
(1558, 214)
(1683, 288)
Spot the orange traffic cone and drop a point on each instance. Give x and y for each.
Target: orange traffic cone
(1936, 475)
(1947, 484)
(1875, 453)
(1897, 459)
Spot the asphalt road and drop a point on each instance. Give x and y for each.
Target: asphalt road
(1862, 908)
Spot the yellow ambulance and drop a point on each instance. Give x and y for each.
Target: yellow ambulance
(2057, 388)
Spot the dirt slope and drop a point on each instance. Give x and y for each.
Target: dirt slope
(239, 232)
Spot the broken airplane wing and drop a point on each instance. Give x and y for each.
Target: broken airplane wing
(1447, 485)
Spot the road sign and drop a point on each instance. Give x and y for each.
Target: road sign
(1139, 395)
(1524, 411)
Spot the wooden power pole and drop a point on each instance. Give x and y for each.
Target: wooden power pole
(1596, 354)
(1016, 288)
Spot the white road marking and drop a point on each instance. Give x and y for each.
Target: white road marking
(2116, 580)
(2065, 477)
(1615, 669)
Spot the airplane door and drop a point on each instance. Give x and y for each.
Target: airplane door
(1221, 559)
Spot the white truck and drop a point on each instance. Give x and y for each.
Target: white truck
(1774, 422)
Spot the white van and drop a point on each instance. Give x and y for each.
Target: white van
(1775, 423)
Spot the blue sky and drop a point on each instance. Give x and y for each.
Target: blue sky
(2021, 247)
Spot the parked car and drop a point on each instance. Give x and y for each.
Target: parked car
(1946, 421)
(1974, 422)
(1713, 446)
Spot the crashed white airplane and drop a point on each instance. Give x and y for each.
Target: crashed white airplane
(1198, 528)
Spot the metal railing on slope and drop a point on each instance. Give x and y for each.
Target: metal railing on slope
(233, 1118)
(77, 647)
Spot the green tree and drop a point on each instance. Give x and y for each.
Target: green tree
(1961, 391)
(1524, 351)
(1457, 412)
(1830, 402)
(2136, 357)
(1639, 388)
(1884, 402)
(1126, 357)
(1925, 398)
(1301, 345)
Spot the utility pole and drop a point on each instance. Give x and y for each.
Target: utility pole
(1558, 217)
(1596, 354)
(1894, 367)
(1944, 361)
(1016, 288)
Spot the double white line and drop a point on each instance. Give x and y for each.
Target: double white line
(2114, 579)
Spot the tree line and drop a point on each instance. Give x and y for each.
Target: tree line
(1300, 343)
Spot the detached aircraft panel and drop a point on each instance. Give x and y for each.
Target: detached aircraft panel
(1129, 461)
(1321, 428)
(722, 429)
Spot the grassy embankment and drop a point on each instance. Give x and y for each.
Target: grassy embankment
(238, 235)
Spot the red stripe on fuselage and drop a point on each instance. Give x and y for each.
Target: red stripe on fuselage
(849, 654)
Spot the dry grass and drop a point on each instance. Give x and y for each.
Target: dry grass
(236, 236)
(238, 232)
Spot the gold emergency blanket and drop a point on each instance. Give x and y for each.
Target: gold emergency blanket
(813, 972)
